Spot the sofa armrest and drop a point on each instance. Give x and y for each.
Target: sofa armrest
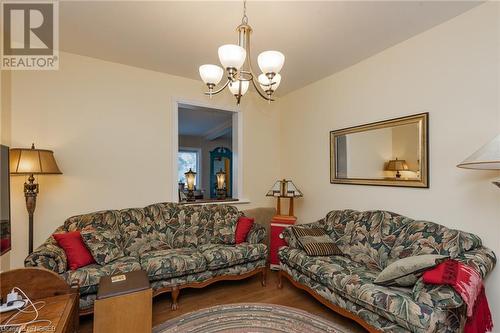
(257, 234)
(436, 296)
(49, 256)
(482, 259)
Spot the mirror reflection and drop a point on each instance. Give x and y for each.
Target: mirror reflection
(386, 153)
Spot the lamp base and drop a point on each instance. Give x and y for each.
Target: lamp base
(30, 193)
(221, 194)
(190, 195)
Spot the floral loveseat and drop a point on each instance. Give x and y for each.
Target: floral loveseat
(179, 246)
(370, 241)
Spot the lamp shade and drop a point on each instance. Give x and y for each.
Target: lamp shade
(265, 83)
(190, 178)
(234, 87)
(221, 180)
(284, 188)
(396, 165)
(486, 158)
(232, 56)
(271, 61)
(26, 161)
(211, 74)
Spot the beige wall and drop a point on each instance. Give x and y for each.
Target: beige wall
(450, 71)
(109, 126)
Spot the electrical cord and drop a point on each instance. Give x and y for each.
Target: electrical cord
(35, 310)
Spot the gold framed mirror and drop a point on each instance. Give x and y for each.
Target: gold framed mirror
(392, 152)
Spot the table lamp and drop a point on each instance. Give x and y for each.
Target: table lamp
(221, 184)
(397, 165)
(30, 162)
(190, 178)
(486, 158)
(284, 189)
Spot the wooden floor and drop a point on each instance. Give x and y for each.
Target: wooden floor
(244, 291)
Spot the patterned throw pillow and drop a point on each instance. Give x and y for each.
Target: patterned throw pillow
(315, 242)
(405, 272)
(103, 243)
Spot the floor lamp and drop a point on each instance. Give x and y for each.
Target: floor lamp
(486, 158)
(30, 162)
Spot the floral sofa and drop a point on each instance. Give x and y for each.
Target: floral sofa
(179, 246)
(370, 241)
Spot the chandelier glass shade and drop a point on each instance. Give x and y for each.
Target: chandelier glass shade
(211, 74)
(232, 56)
(271, 61)
(234, 87)
(235, 61)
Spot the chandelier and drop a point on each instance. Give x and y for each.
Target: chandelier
(236, 61)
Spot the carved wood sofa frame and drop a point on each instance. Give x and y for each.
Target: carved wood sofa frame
(175, 290)
(325, 302)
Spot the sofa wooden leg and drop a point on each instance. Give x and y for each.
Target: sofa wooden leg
(175, 296)
(264, 276)
(280, 280)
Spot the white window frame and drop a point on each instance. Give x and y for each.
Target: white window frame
(198, 170)
(237, 146)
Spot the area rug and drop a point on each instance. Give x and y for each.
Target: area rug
(248, 318)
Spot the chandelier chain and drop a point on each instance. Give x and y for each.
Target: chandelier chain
(244, 19)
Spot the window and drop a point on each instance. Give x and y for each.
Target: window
(188, 159)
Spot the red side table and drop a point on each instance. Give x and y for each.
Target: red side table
(278, 223)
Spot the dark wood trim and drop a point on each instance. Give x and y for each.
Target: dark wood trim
(9, 202)
(86, 312)
(209, 201)
(264, 276)
(175, 290)
(175, 297)
(325, 302)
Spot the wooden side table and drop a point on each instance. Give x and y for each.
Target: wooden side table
(61, 301)
(278, 223)
(124, 304)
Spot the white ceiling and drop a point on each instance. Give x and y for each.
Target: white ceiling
(205, 122)
(317, 38)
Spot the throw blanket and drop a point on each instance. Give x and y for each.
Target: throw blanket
(469, 285)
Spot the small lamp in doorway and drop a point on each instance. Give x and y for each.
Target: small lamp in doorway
(31, 162)
(221, 185)
(190, 178)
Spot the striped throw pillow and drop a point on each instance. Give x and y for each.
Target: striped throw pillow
(315, 242)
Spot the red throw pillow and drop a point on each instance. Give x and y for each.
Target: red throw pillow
(77, 253)
(243, 228)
